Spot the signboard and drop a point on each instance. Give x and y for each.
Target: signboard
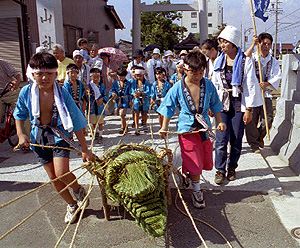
(49, 16)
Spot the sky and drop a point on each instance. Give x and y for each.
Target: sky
(236, 12)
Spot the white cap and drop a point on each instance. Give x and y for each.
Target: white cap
(77, 52)
(180, 63)
(168, 53)
(41, 49)
(231, 34)
(183, 52)
(156, 50)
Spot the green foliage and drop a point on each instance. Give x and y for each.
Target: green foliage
(160, 28)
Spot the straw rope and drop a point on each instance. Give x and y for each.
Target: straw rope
(50, 147)
(47, 202)
(77, 210)
(41, 186)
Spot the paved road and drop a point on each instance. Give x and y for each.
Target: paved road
(257, 210)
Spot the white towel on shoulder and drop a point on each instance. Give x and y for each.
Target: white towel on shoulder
(59, 101)
(95, 89)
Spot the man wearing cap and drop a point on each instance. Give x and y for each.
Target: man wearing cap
(271, 76)
(182, 54)
(63, 62)
(169, 64)
(179, 74)
(137, 60)
(84, 69)
(238, 89)
(152, 63)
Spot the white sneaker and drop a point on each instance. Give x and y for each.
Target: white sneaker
(70, 216)
(198, 200)
(79, 196)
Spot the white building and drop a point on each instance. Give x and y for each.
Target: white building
(190, 19)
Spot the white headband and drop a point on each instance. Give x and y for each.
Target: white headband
(139, 71)
(35, 70)
(95, 74)
(72, 69)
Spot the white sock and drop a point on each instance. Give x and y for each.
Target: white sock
(196, 186)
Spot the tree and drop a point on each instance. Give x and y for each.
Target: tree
(160, 28)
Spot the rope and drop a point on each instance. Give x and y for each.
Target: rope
(188, 212)
(77, 210)
(97, 123)
(50, 147)
(205, 223)
(29, 216)
(185, 205)
(41, 186)
(82, 210)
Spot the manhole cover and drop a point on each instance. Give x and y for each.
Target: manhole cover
(3, 159)
(296, 232)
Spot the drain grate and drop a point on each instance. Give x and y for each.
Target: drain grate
(296, 232)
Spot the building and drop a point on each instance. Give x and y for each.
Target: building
(190, 19)
(26, 24)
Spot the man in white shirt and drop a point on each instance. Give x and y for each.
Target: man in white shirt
(271, 75)
(138, 61)
(152, 64)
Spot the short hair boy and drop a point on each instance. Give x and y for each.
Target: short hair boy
(193, 88)
(53, 115)
(95, 102)
(120, 91)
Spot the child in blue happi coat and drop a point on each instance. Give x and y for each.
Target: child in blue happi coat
(75, 87)
(159, 89)
(140, 91)
(120, 91)
(96, 99)
(53, 115)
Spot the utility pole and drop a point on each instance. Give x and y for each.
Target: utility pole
(276, 9)
(276, 27)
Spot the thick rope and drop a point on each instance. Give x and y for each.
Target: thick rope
(205, 223)
(97, 123)
(41, 186)
(50, 147)
(187, 211)
(77, 210)
(82, 210)
(29, 216)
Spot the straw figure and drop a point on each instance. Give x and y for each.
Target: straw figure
(136, 176)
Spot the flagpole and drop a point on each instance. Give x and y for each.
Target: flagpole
(260, 71)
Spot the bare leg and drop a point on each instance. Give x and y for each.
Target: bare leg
(144, 118)
(195, 178)
(63, 182)
(123, 121)
(160, 119)
(136, 120)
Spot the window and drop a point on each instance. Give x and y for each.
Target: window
(193, 14)
(71, 35)
(209, 14)
(194, 25)
(209, 25)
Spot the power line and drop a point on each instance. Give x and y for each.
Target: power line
(289, 14)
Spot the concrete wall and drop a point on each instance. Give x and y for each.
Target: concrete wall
(285, 131)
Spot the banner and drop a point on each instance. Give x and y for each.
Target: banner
(261, 7)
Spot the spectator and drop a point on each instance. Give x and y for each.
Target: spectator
(138, 61)
(9, 74)
(84, 69)
(153, 63)
(62, 61)
(109, 75)
(95, 61)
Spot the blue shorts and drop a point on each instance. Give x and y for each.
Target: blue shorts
(137, 111)
(46, 155)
